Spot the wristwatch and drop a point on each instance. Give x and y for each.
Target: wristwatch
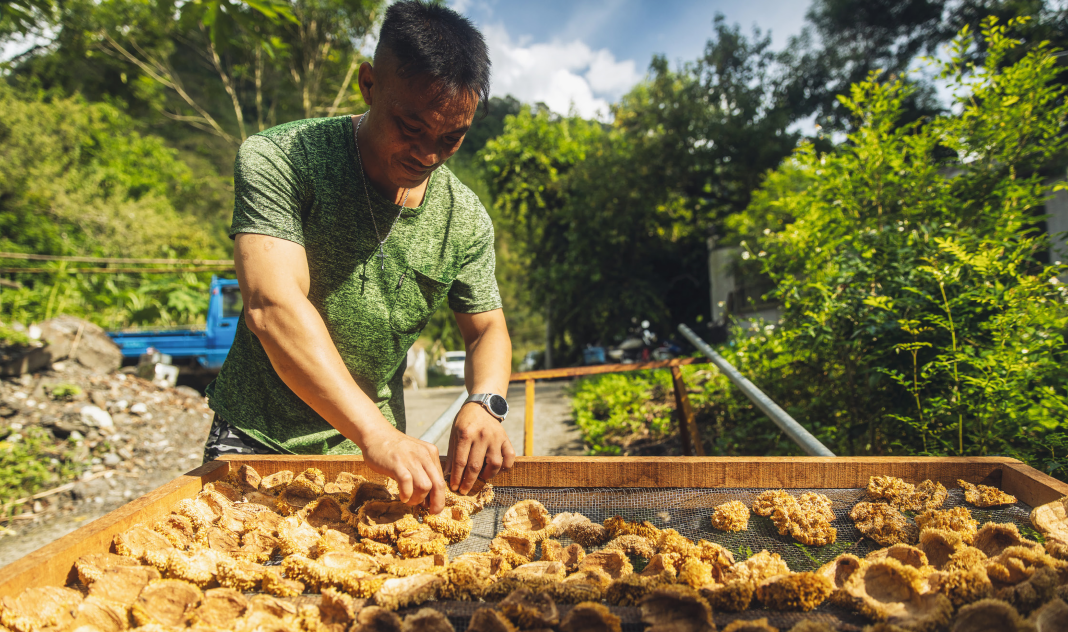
(492, 402)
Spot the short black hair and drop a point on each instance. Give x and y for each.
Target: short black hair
(432, 39)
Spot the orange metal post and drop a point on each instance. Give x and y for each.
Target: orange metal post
(528, 421)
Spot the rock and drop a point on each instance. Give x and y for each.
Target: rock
(188, 391)
(96, 417)
(139, 408)
(111, 459)
(70, 425)
(95, 350)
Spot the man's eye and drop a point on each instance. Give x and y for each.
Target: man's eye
(453, 140)
(409, 128)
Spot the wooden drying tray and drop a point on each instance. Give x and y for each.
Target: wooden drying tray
(54, 564)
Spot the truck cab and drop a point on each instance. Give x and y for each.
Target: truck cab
(205, 348)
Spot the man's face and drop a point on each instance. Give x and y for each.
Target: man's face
(415, 125)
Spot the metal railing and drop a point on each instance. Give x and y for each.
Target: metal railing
(797, 433)
(691, 438)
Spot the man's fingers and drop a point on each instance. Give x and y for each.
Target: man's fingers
(449, 456)
(459, 462)
(435, 500)
(421, 485)
(474, 465)
(404, 485)
(494, 461)
(508, 455)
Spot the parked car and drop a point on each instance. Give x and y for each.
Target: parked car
(531, 361)
(453, 363)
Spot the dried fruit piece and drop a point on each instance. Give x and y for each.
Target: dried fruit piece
(178, 530)
(731, 516)
(421, 541)
(220, 608)
(614, 563)
(994, 538)
(985, 496)
(144, 544)
(633, 545)
(122, 584)
(676, 609)
(530, 610)
(883, 523)
(166, 602)
(515, 549)
(275, 584)
(38, 608)
(453, 522)
(1051, 519)
(92, 567)
(402, 592)
(377, 619)
(383, 521)
(590, 617)
(794, 591)
(275, 483)
(245, 478)
(529, 518)
(957, 519)
(239, 574)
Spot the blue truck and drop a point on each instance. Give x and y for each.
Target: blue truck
(203, 348)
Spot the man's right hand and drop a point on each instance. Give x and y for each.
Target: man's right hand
(414, 464)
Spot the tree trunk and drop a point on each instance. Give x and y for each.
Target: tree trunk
(548, 334)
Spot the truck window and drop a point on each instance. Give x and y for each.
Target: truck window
(231, 302)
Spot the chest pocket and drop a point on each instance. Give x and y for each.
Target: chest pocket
(417, 298)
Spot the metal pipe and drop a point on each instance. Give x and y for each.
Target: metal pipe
(782, 419)
(442, 424)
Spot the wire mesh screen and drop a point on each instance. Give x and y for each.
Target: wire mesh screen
(689, 511)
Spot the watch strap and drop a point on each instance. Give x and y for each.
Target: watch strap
(483, 400)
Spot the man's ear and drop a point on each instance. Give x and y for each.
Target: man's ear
(366, 79)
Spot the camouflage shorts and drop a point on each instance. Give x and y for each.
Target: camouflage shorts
(226, 439)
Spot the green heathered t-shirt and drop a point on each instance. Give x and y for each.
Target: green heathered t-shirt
(302, 182)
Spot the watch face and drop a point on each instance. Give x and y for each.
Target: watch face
(498, 405)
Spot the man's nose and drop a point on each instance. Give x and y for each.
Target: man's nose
(426, 156)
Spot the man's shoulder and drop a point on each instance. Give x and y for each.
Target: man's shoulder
(463, 200)
(304, 129)
(304, 139)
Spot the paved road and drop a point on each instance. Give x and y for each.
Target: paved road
(554, 432)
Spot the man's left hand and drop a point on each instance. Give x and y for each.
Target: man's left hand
(478, 448)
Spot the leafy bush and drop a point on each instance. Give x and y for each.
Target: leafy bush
(29, 462)
(917, 315)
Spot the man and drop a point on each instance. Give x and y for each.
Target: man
(348, 234)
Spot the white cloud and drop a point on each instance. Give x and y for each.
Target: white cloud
(560, 74)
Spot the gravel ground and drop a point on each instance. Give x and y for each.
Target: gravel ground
(154, 435)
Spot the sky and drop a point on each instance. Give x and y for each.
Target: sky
(588, 53)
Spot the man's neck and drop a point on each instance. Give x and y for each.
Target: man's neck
(372, 169)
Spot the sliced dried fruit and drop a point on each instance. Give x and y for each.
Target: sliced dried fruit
(957, 519)
(92, 567)
(420, 542)
(530, 610)
(634, 545)
(794, 591)
(614, 563)
(220, 608)
(274, 583)
(144, 544)
(383, 521)
(676, 609)
(453, 522)
(883, 523)
(401, 592)
(239, 574)
(272, 484)
(994, 538)
(166, 602)
(122, 584)
(529, 518)
(245, 478)
(731, 516)
(985, 496)
(1051, 519)
(36, 608)
(590, 617)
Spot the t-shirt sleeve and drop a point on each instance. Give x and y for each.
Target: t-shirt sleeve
(268, 192)
(475, 288)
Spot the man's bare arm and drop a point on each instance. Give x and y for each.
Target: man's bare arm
(274, 278)
(478, 446)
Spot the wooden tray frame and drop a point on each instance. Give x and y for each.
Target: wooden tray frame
(53, 563)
